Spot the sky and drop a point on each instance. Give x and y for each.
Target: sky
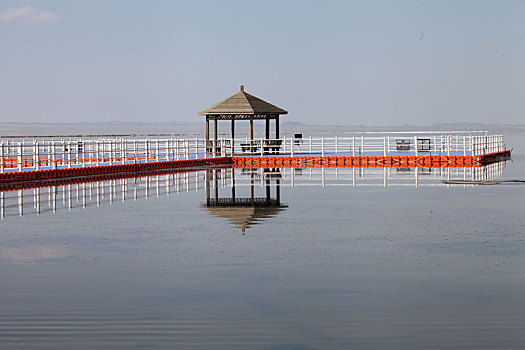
(326, 62)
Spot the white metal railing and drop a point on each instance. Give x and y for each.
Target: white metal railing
(52, 154)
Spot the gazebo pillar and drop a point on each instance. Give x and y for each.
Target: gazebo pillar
(267, 128)
(207, 129)
(215, 136)
(207, 144)
(233, 138)
(251, 134)
(277, 126)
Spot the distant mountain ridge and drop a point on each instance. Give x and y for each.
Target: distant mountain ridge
(196, 129)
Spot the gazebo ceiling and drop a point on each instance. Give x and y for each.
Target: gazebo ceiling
(244, 104)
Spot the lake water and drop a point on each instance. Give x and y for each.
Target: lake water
(317, 267)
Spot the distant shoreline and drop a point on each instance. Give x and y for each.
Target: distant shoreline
(196, 129)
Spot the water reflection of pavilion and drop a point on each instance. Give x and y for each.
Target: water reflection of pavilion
(246, 210)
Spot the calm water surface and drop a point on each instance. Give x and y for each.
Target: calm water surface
(330, 267)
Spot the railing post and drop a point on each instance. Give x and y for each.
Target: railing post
(63, 153)
(84, 148)
(262, 149)
(415, 145)
(362, 144)
(146, 146)
(135, 151)
(20, 151)
(69, 154)
(124, 151)
(292, 140)
(157, 150)
(388, 144)
(197, 148)
(37, 156)
(2, 157)
(187, 149)
(336, 144)
(90, 151)
(481, 144)
(53, 144)
(448, 145)
(110, 152)
(310, 144)
(97, 151)
(322, 147)
(384, 146)
(464, 145)
(353, 146)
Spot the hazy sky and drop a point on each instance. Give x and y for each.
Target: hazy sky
(327, 62)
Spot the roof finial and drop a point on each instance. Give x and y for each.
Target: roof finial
(242, 88)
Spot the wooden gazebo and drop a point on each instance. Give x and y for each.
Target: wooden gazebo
(242, 106)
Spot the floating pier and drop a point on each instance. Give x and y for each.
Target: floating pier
(43, 159)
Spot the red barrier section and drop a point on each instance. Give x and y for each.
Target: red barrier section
(427, 161)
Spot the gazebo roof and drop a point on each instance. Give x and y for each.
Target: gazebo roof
(243, 103)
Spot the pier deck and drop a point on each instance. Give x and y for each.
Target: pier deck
(43, 158)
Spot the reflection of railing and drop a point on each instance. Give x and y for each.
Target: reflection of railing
(368, 176)
(52, 154)
(40, 200)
